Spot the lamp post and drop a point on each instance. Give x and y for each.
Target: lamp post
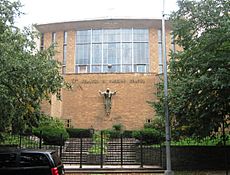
(167, 120)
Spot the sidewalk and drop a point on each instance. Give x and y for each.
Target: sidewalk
(112, 169)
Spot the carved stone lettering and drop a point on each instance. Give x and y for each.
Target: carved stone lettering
(114, 81)
(117, 81)
(89, 81)
(138, 81)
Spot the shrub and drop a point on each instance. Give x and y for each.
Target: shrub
(52, 129)
(52, 136)
(149, 136)
(127, 134)
(117, 134)
(118, 127)
(79, 132)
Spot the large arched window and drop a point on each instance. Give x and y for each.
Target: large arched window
(112, 50)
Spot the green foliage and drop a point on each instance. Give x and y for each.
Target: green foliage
(52, 130)
(157, 123)
(115, 132)
(16, 140)
(118, 127)
(127, 134)
(199, 75)
(28, 76)
(79, 132)
(206, 141)
(96, 148)
(149, 136)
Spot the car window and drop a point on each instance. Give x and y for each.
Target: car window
(8, 159)
(33, 159)
(56, 158)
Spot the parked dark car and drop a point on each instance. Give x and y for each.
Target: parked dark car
(30, 162)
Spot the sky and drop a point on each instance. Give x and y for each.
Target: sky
(49, 11)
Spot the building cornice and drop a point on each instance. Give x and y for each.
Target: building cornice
(99, 24)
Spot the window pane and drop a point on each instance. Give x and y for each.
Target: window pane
(53, 37)
(140, 53)
(113, 68)
(160, 52)
(97, 54)
(65, 37)
(64, 54)
(97, 36)
(140, 35)
(112, 35)
(126, 68)
(113, 53)
(140, 68)
(127, 53)
(83, 54)
(82, 69)
(126, 35)
(96, 69)
(83, 36)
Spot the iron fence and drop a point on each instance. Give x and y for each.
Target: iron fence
(101, 150)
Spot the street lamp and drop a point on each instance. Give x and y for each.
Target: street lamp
(167, 120)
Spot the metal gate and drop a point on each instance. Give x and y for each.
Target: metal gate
(104, 151)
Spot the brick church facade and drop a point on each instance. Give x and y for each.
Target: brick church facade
(123, 55)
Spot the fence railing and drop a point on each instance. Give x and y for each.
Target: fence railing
(100, 151)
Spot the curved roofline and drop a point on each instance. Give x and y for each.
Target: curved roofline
(101, 23)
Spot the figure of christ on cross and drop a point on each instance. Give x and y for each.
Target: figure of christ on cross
(107, 99)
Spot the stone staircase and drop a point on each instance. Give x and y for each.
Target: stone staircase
(126, 149)
(72, 150)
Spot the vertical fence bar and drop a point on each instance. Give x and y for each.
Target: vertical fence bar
(102, 149)
(61, 140)
(161, 160)
(40, 140)
(121, 150)
(20, 140)
(141, 152)
(81, 149)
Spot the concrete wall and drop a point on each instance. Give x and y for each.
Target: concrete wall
(191, 157)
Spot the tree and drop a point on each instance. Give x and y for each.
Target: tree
(28, 76)
(199, 75)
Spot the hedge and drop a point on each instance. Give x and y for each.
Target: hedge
(79, 132)
(52, 136)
